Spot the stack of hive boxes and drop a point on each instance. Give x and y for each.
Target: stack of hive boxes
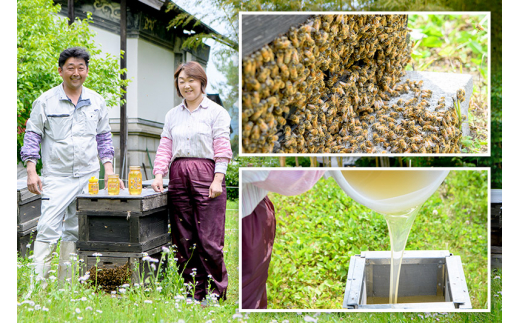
(122, 228)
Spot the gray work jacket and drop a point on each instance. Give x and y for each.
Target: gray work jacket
(68, 132)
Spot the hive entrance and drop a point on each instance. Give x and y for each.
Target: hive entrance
(109, 278)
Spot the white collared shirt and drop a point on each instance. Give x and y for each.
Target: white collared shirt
(193, 133)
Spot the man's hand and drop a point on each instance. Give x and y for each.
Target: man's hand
(215, 188)
(109, 170)
(34, 183)
(157, 183)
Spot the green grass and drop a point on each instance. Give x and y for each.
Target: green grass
(79, 302)
(318, 232)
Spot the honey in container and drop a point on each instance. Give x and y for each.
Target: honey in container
(113, 184)
(135, 181)
(93, 186)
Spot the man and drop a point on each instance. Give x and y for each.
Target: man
(71, 123)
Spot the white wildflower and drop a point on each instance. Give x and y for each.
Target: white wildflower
(237, 316)
(148, 301)
(37, 307)
(150, 259)
(97, 254)
(307, 318)
(99, 311)
(78, 310)
(88, 308)
(31, 303)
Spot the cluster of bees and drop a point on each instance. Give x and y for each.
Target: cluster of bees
(331, 86)
(109, 279)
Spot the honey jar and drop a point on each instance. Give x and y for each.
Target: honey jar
(135, 181)
(113, 184)
(93, 186)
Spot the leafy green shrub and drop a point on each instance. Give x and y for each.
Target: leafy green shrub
(232, 180)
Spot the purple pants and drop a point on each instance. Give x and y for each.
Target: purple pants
(258, 232)
(197, 225)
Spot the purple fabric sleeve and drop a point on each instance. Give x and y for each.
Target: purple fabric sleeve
(31, 146)
(105, 146)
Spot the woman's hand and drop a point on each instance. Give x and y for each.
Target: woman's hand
(109, 170)
(215, 188)
(157, 183)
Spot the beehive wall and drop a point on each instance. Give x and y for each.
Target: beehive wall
(325, 87)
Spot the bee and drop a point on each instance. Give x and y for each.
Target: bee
(282, 43)
(267, 54)
(402, 144)
(280, 121)
(479, 27)
(246, 132)
(461, 94)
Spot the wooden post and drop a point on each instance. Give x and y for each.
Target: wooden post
(340, 161)
(296, 161)
(71, 12)
(282, 161)
(123, 125)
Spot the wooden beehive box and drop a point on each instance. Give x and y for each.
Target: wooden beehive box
(29, 207)
(25, 241)
(140, 269)
(122, 223)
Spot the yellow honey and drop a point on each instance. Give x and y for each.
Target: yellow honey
(93, 186)
(135, 181)
(113, 184)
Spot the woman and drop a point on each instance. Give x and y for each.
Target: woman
(195, 144)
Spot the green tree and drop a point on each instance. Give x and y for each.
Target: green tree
(41, 37)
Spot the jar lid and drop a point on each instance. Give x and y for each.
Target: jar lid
(135, 168)
(93, 179)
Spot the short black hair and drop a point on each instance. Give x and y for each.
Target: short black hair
(76, 52)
